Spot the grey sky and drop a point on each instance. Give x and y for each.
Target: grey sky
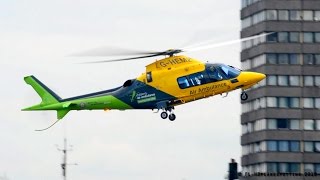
(36, 37)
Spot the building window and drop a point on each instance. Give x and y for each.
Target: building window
(283, 81)
(283, 145)
(308, 59)
(308, 124)
(283, 59)
(294, 80)
(317, 168)
(308, 103)
(246, 22)
(294, 37)
(244, 3)
(308, 15)
(317, 146)
(272, 124)
(271, 58)
(294, 167)
(272, 37)
(308, 80)
(308, 146)
(317, 37)
(271, 14)
(295, 146)
(272, 146)
(283, 102)
(294, 124)
(317, 15)
(317, 103)
(283, 167)
(317, 59)
(317, 80)
(317, 124)
(308, 168)
(283, 15)
(307, 37)
(272, 167)
(283, 37)
(272, 80)
(282, 123)
(271, 102)
(256, 147)
(294, 102)
(294, 59)
(295, 15)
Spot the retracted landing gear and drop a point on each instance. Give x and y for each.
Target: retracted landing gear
(164, 114)
(244, 96)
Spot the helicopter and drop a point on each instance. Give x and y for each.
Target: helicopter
(165, 84)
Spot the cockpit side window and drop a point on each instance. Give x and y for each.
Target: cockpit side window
(191, 80)
(183, 82)
(197, 79)
(214, 74)
(228, 71)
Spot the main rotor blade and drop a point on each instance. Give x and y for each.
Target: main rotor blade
(207, 45)
(169, 52)
(112, 51)
(122, 59)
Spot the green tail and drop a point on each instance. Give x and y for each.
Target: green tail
(49, 98)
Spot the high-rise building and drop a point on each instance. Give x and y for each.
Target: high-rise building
(281, 119)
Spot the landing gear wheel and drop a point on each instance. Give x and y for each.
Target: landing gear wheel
(244, 96)
(164, 115)
(172, 117)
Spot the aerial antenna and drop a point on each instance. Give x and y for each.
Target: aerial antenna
(48, 126)
(64, 163)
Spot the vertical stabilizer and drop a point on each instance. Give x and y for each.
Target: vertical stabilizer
(46, 94)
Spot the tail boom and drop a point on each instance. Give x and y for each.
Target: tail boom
(51, 101)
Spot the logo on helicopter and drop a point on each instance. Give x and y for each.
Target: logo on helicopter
(143, 97)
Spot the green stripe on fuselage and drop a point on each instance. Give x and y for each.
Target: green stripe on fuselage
(102, 102)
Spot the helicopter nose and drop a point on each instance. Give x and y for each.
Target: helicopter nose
(257, 77)
(251, 78)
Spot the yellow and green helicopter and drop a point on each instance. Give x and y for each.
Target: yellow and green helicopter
(165, 84)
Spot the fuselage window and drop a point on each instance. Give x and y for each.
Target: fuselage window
(183, 82)
(149, 77)
(214, 74)
(197, 79)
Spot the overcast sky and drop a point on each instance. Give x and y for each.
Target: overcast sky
(36, 37)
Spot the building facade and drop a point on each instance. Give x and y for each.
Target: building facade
(281, 119)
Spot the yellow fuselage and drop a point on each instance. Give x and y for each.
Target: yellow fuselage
(165, 73)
